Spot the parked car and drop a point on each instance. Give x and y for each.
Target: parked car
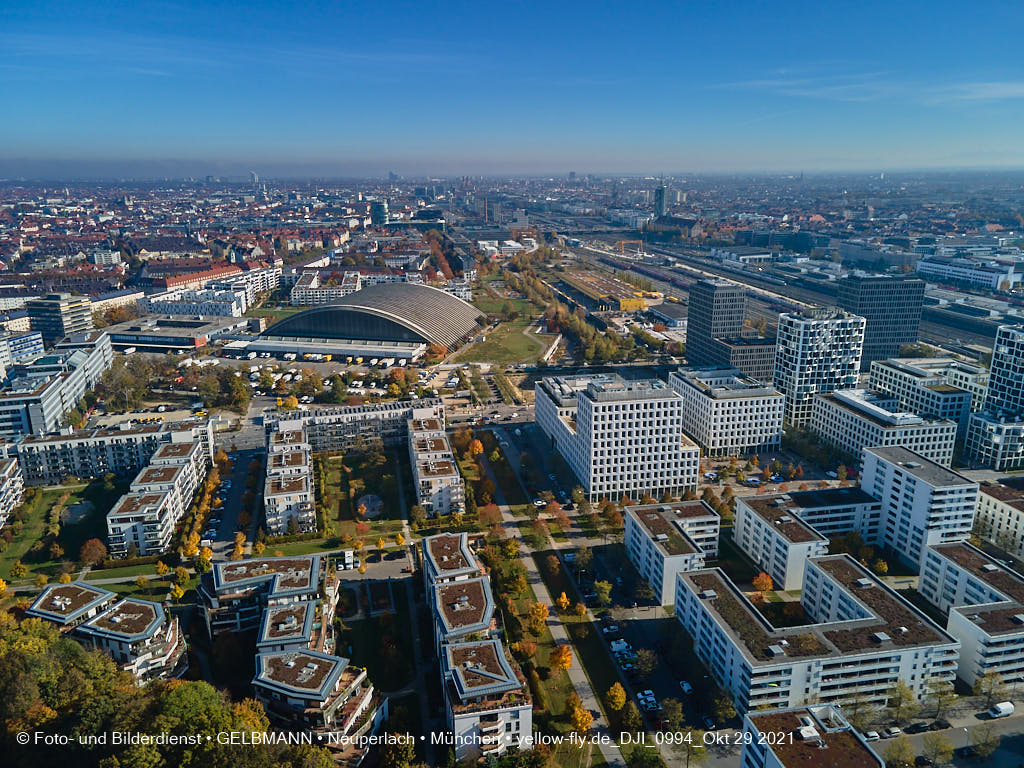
(916, 728)
(1002, 709)
(871, 736)
(923, 761)
(778, 479)
(686, 687)
(891, 732)
(940, 724)
(965, 753)
(709, 724)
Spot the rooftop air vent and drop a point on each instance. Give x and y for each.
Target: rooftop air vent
(989, 567)
(1018, 618)
(863, 583)
(808, 733)
(776, 650)
(881, 637)
(708, 594)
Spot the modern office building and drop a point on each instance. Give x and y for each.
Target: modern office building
(664, 539)
(717, 310)
(923, 503)
(935, 388)
(862, 638)
(57, 315)
(728, 414)
(891, 307)
(817, 352)
(854, 419)
(202, 303)
(803, 736)
(779, 542)
(19, 347)
(623, 438)
(995, 437)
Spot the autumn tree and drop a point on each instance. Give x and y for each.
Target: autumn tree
(93, 552)
(762, 582)
(902, 702)
(615, 697)
(937, 748)
(991, 686)
(646, 662)
(563, 601)
(899, 753)
(538, 616)
(603, 591)
(561, 658)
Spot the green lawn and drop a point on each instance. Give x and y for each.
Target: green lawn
(273, 314)
(505, 345)
(128, 572)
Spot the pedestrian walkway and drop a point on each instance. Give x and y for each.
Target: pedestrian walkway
(580, 683)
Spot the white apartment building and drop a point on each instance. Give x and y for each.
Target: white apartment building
(308, 290)
(996, 440)
(341, 428)
(984, 602)
(487, 702)
(141, 638)
(817, 352)
(18, 347)
(12, 488)
(936, 388)
(663, 540)
(1000, 516)
(778, 541)
(123, 450)
(138, 634)
(440, 489)
(863, 638)
(625, 437)
(143, 521)
(286, 499)
(853, 419)
(159, 496)
(728, 414)
(923, 503)
(253, 283)
(206, 303)
(487, 705)
(795, 738)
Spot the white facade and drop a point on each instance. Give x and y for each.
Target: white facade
(984, 603)
(816, 352)
(848, 651)
(12, 488)
(988, 274)
(626, 438)
(854, 419)
(923, 503)
(933, 388)
(341, 428)
(777, 541)
(728, 414)
(663, 540)
(206, 303)
(1000, 517)
(440, 489)
(811, 735)
(309, 291)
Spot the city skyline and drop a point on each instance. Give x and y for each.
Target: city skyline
(183, 90)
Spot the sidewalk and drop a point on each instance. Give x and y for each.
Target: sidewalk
(580, 682)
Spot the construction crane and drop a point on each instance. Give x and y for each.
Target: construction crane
(621, 245)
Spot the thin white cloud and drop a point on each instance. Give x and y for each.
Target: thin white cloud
(1006, 90)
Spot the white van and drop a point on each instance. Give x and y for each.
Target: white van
(1002, 709)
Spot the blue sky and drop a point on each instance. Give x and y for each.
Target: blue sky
(340, 88)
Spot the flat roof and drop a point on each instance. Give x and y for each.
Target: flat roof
(481, 669)
(917, 465)
(436, 468)
(282, 573)
(62, 603)
(843, 748)
(777, 512)
(127, 620)
(158, 474)
(884, 611)
(663, 523)
(464, 604)
(135, 503)
(291, 621)
(176, 450)
(449, 554)
(277, 486)
(307, 673)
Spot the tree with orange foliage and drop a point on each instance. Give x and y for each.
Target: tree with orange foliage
(762, 582)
